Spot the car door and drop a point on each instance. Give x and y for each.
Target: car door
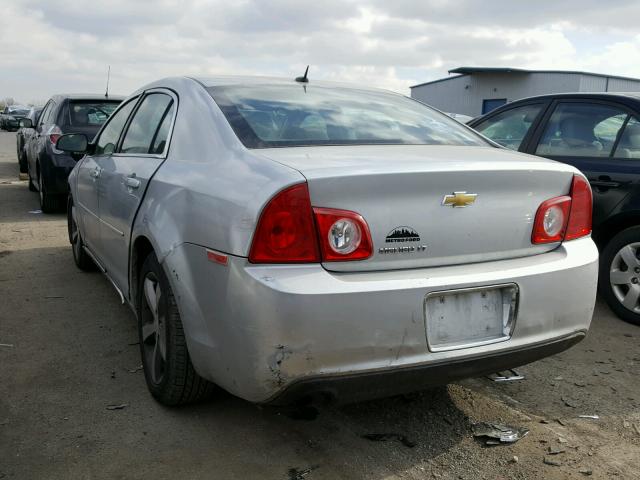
(585, 134)
(36, 140)
(89, 171)
(511, 127)
(126, 174)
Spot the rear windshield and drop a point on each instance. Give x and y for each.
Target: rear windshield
(83, 113)
(264, 116)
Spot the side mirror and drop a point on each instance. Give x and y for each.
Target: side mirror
(73, 143)
(26, 123)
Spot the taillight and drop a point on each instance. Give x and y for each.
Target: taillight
(566, 217)
(581, 209)
(54, 134)
(343, 235)
(285, 231)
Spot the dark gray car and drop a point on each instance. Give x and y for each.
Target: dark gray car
(48, 167)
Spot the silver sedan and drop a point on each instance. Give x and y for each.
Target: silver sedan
(290, 239)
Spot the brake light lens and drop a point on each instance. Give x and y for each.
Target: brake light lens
(551, 220)
(285, 231)
(566, 217)
(291, 231)
(54, 134)
(344, 235)
(581, 209)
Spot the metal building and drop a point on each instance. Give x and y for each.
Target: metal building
(475, 90)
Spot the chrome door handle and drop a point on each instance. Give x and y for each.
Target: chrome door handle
(95, 173)
(132, 182)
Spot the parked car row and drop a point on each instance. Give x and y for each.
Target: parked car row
(600, 135)
(11, 115)
(247, 221)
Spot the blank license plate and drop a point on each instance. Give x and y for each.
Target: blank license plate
(470, 317)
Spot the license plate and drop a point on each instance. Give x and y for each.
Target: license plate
(470, 317)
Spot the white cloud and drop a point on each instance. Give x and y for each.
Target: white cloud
(49, 47)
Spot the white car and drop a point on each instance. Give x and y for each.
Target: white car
(284, 239)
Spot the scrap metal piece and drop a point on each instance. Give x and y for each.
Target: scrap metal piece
(510, 375)
(493, 432)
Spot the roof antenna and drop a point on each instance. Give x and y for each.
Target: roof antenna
(106, 93)
(303, 79)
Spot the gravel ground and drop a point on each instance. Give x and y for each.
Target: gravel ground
(68, 351)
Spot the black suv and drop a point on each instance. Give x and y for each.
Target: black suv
(598, 133)
(49, 167)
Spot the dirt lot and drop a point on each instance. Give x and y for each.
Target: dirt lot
(68, 350)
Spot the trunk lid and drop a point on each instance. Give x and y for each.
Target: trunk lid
(399, 190)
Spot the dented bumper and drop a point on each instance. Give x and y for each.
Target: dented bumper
(269, 333)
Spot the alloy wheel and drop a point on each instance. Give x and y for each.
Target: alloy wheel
(624, 276)
(154, 338)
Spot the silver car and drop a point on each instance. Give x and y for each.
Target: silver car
(287, 239)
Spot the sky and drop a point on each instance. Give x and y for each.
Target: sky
(49, 47)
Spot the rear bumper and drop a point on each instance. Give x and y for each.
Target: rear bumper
(368, 385)
(269, 333)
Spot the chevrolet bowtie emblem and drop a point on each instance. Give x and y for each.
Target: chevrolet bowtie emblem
(459, 199)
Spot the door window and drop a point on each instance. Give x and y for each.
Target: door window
(109, 136)
(629, 145)
(510, 127)
(581, 130)
(45, 113)
(141, 134)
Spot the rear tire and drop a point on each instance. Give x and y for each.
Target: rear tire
(619, 281)
(32, 186)
(49, 203)
(168, 370)
(22, 159)
(82, 260)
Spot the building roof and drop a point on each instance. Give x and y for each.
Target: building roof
(462, 71)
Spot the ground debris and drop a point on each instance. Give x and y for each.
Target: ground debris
(591, 417)
(555, 450)
(383, 437)
(551, 461)
(117, 407)
(7, 345)
(570, 402)
(496, 433)
(135, 370)
(295, 474)
(586, 471)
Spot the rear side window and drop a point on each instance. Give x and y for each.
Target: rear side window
(581, 130)
(46, 113)
(110, 134)
(84, 113)
(510, 127)
(629, 145)
(264, 116)
(143, 127)
(162, 135)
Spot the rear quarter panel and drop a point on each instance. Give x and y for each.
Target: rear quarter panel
(211, 189)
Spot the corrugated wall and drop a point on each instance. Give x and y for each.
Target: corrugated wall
(464, 94)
